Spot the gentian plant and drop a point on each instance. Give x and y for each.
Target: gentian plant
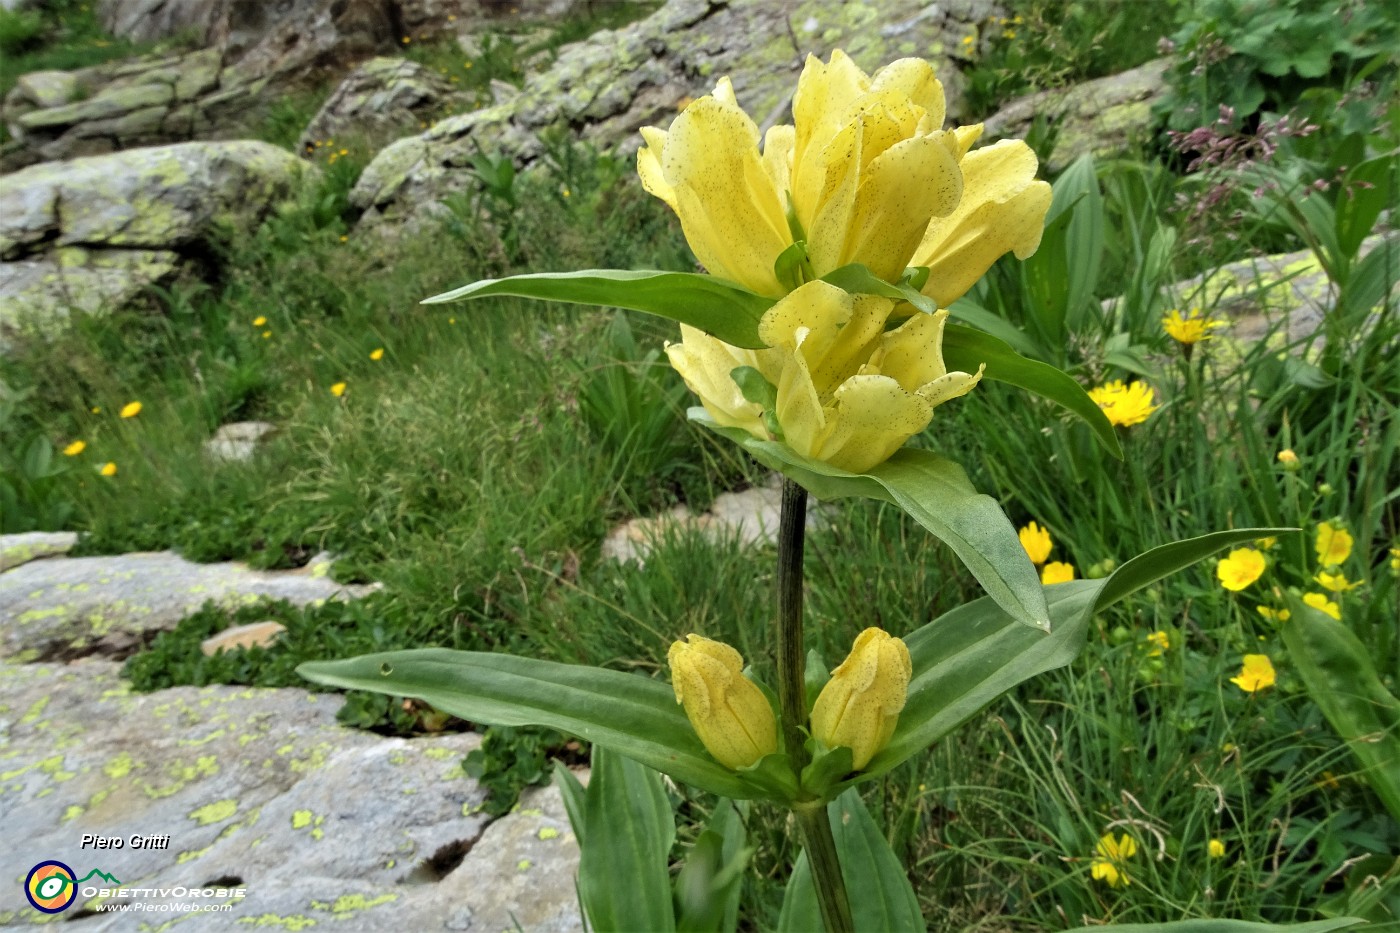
(817, 341)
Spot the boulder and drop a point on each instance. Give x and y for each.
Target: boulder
(239, 637)
(93, 232)
(237, 441)
(1104, 117)
(606, 87)
(261, 795)
(383, 99)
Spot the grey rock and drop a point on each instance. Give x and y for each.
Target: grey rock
(383, 98)
(606, 87)
(1103, 117)
(75, 606)
(261, 790)
(37, 295)
(238, 440)
(47, 88)
(32, 545)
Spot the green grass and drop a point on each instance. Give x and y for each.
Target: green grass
(475, 467)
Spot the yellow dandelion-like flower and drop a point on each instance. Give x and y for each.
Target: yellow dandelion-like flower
(108, 469)
(1336, 582)
(1190, 327)
(259, 321)
(1056, 572)
(267, 334)
(1274, 615)
(1240, 569)
(1321, 603)
(1215, 849)
(377, 354)
(1124, 405)
(1256, 673)
(75, 448)
(131, 409)
(1333, 544)
(1036, 541)
(1160, 641)
(1112, 854)
(338, 389)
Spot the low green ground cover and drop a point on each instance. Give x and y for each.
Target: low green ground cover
(473, 457)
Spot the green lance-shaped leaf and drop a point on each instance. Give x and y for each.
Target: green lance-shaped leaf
(882, 900)
(936, 493)
(1341, 679)
(630, 832)
(714, 305)
(964, 348)
(624, 712)
(711, 878)
(966, 658)
(1223, 926)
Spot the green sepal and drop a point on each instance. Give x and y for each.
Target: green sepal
(717, 307)
(627, 713)
(792, 268)
(936, 493)
(827, 767)
(774, 774)
(857, 279)
(965, 348)
(755, 387)
(815, 675)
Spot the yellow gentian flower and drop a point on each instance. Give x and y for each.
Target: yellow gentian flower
(1333, 544)
(859, 707)
(1240, 569)
(1321, 603)
(1112, 853)
(1036, 541)
(848, 392)
(1256, 673)
(1056, 572)
(729, 713)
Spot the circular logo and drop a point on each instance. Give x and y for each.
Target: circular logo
(51, 887)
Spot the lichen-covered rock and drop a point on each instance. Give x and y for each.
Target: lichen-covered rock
(261, 792)
(383, 98)
(237, 441)
(74, 606)
(21, 548)
(93, 232)
(604, 88)
(1103, 117)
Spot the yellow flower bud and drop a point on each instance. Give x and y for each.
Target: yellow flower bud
(729, 713)
(860, 705)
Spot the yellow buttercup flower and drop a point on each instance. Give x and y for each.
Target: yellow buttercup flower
(1189, 328)
(1036, 541)
(1240, 569)
(1289, 460)
(859, 176)
(1215, 849)
(259, 321)
(859, 707)
(338, 389)
(1336, 582)
(1274, 615)
(1333, 544)
(1323, 604)
(1112, 854)
(730, 714)
(75, 448)
(108, 469)
(131, 409)
(1124, 405)
(1160, 641)
(1256, 673)
(1056, 572)
(377, 354)
(847, 391)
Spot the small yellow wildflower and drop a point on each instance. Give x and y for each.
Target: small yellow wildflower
(1321, 603)
(131, 409)
(1274, 615)
(377, 354)
(266, 334)
(1188, 328)
(1112, 853)
(75, 448)
(1336, 582)
(1333, 544)
(345, 239)
(108, 469)
(1036, 541)
(259, 321)
(1124, 405)
(1256, 673)
(1240, 569)
(1267, 543)
(1056, 572)
(1289, 460)
(1160, 641)
(338, 389)
(1395, 559)
(97, 410)
(405, 40)
(969, 40)
(1216, 849)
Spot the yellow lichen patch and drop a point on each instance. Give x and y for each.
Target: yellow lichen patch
(34, 712)
(316, 759)
(216, 734)
(286, 749)
(352, 903)
(215, 812)
(440, 754)
(293, 922)
(548, 832)
(397, 757)
(522, 865)
(120, 766)
(191, 854)
(302, 819)
(34, 615)
(72, 813)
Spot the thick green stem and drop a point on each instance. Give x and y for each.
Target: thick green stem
(811, 818)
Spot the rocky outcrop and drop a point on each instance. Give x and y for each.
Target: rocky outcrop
(260, 795)
(383, 99)
(94, 232)
(606, 87)
(1105, 117)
